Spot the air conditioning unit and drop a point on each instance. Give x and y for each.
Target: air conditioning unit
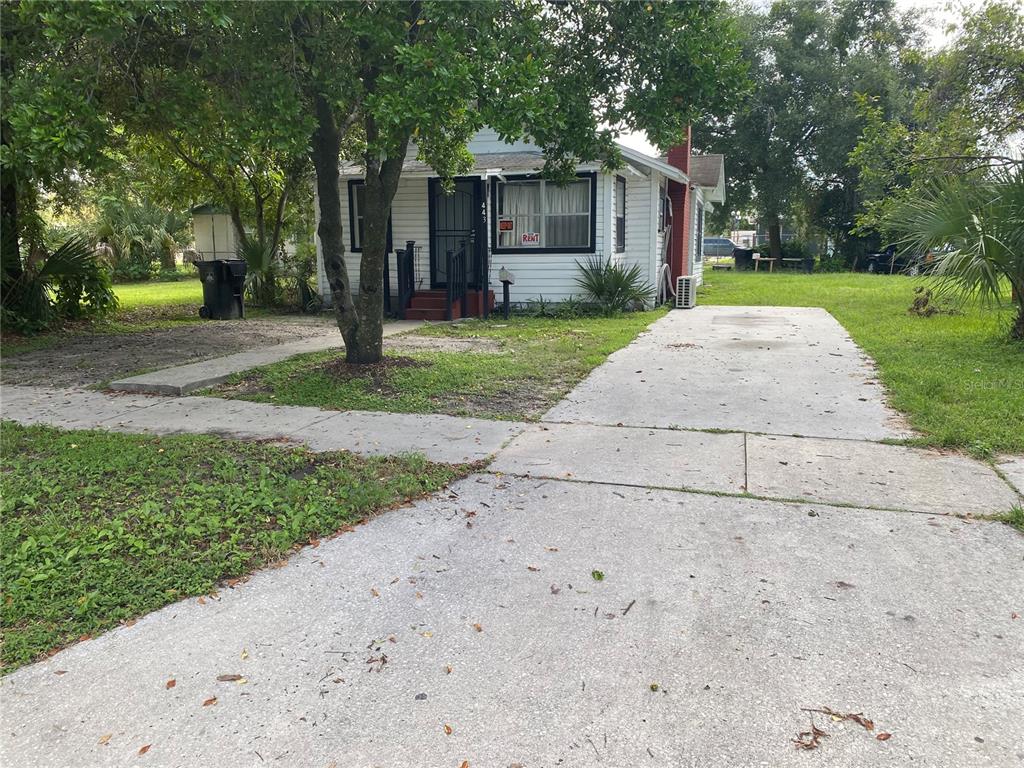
(686, 292)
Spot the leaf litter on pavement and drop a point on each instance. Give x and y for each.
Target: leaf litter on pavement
(812, 739)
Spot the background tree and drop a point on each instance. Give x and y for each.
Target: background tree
(788, 144)
(967, 116)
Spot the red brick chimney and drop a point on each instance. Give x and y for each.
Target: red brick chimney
(679, 194)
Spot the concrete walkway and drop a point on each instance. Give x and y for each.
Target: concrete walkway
(470, 629)
(182, 379)
(450, 439)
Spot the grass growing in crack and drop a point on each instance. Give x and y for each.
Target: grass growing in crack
(539, 361)
(956, 376)
(98, 528)
(1014, 517)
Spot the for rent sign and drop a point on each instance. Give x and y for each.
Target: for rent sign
(530, 238)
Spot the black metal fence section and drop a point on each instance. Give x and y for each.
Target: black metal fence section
(405, 263)
(458, 281)
(480, 271)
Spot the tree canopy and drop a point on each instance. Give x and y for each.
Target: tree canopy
(788, 143)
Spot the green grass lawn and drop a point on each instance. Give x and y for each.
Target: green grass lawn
(957, 377)
(98, 528)
(155, 294)
(527, 366)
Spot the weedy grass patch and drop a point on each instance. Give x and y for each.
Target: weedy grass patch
(536, 362)
(99, 528)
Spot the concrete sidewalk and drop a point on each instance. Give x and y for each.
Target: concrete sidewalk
(449, 439)
(852, 472)
(182, 379)
(739, 612)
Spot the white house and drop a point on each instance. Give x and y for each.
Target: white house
(502, 214)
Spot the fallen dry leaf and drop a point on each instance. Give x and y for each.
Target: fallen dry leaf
(201, 601)
(884, 736)
(171, 683)
(419, 595)
(106, 737)
(551, 549)
(228, 678)
(210, 701)
(447, 729)
(809, 739)
(533, 568)
(145, 749)
(857, 717)
(448, 670)
(465, 764)
(245, 654)
(374, 592)
(478, 628)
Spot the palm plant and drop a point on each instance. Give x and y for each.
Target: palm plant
(68, 284)
(613, 287)
(140, 233)
(976, 228)
(261, 271)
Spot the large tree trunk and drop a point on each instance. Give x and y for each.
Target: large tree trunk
(381, 184)
(326, 154)
(775, 240)
(1017, 295)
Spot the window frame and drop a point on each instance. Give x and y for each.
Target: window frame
(620, 216)
(354, 247)
(575, 249)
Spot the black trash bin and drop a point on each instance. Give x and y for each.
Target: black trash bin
(743, 258)
(223, 285)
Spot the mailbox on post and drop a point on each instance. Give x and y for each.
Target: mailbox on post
(507, 279)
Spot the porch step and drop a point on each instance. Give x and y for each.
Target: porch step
(430, 305)
(432, 313)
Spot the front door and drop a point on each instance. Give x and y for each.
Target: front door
(455, 223)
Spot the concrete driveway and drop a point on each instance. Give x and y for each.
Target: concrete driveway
(585, 617)
(781, 370)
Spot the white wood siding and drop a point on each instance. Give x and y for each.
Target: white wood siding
(696, 267)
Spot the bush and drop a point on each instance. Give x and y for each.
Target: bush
(70, 284)
(831, 263)
(791, 249)
(134, 271)
(613, 287)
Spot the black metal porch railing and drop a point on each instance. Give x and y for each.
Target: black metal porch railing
(405, 263)
(458, 281)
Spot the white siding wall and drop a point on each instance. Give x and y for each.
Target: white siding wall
(486, 141)
(658, 252)
(696, 267)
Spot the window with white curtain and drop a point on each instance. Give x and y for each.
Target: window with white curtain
(535, 214)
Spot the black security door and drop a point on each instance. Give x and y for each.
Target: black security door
(455, 222)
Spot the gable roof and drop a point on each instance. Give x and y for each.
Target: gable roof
(707, 170)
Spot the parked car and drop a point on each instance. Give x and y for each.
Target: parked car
(718, 247)
(890, 260)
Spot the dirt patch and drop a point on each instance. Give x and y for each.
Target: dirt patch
(378, 375)
(84, 359)
(414, 343)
